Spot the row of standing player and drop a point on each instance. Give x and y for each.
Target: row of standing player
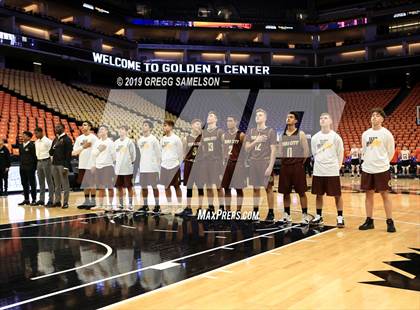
(205, 150)
(400, 158)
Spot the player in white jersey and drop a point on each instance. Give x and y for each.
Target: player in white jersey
(172, 156)
(405, 160)
(150, 158)
(328, 151)
(355, 155)
(124, 166)
(83, 149)
(378, 148)
(103, 158)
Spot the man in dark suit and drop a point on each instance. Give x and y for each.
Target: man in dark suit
(61, 156)
(28, 163)
(4, 168)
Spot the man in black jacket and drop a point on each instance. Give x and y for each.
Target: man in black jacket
(4, 168)
(28, 163)
(61, 156)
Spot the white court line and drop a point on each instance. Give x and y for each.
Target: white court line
(224, 270)
(165, 230)
(272, 252)
(107, 247)
(268, 237)
(227, 248)
(263, 229)
(134, 271)
(126, 226)
(57, 222)
(209, 277)
(221, 237)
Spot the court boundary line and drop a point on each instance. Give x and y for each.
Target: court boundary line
(23, 302)
(44, 224)
(107, 254)
(214, 270)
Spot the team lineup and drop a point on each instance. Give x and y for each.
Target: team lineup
(214, 161)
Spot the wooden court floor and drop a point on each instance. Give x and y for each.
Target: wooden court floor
(325, 271)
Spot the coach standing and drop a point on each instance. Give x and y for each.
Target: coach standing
(28, 163)
(4, 167)
(61, 156)
(43, 168)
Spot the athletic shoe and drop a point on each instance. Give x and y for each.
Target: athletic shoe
(352, 175)
(156, 210)
(287, 219)
(129, 208)
(184, 213)
(40, 203)
(305, 219)
(65, 206)
(340, 221)
(33, 203)
(270, 217)
(97, 208)
(368, 224)
(23, 203)
(222, 207)
(84, 205)
(143, 209)
(210, 209)
(120, 207)
(49, 204)
(390, 226)
(318, 220)
(57, 205)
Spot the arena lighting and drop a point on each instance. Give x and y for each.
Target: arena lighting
(168, 54)
(394, 47)
(213, 54)
(31, 7)
(33, 30)
(107, 47)
(120, 32)
(100, 10)
(67, 37)
(67, 19)
(354, 53)
(239, 55)
(37, 63)
(340, 43)
(283, 57)
(219, 37)
(291, 45)
(88, 6)
(403, 25)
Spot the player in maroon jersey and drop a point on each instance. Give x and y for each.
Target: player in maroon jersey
(192, 144)
(294, 150)
(234, 158)
(261, 145)
(211, 156)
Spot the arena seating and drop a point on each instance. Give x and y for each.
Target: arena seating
(356, 115)
(402, 122)
(81, 106)
(18, 116)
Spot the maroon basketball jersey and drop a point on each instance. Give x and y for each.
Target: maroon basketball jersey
(233, 146)
(211, 144)
(193, 144)
(292, 149)
(262, 150)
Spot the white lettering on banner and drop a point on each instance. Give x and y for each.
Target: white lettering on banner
(134, 65)
(116, 62)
